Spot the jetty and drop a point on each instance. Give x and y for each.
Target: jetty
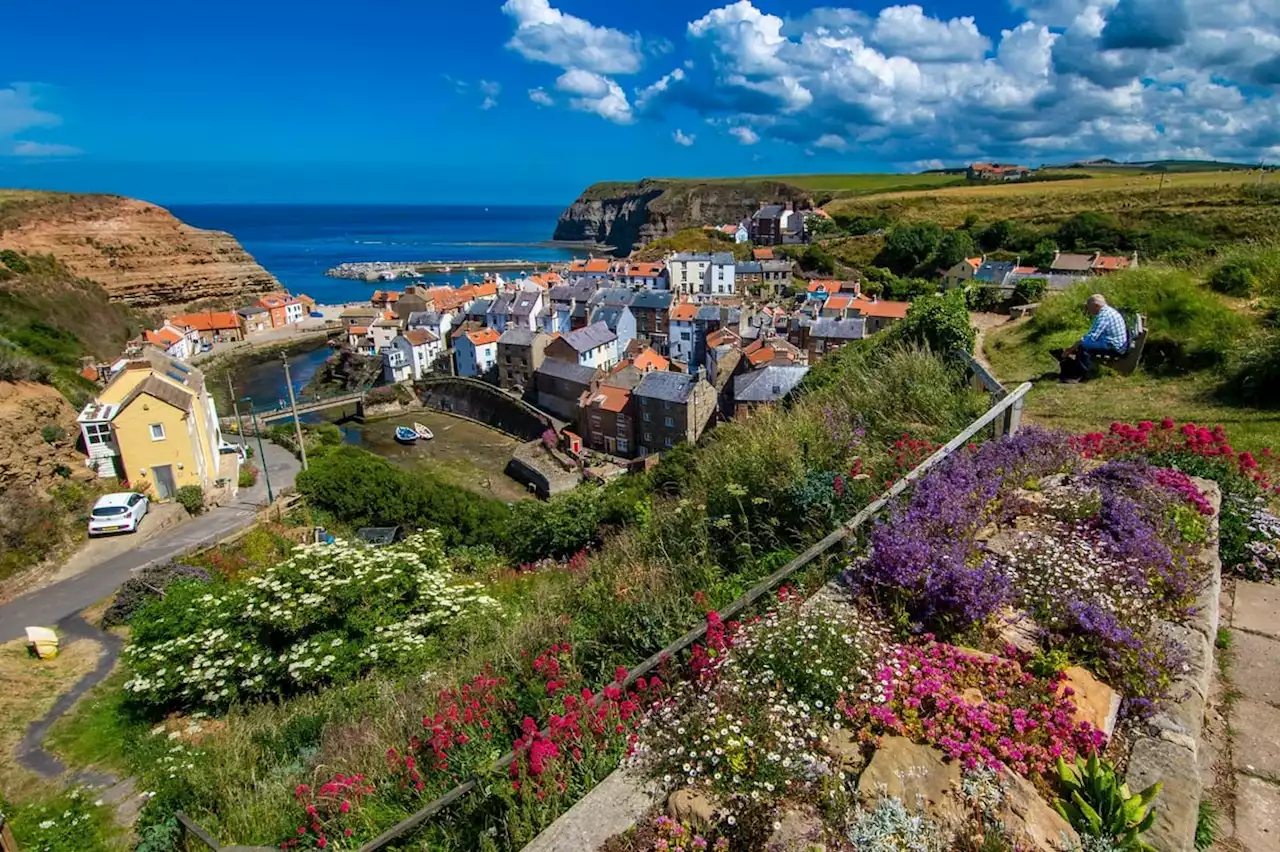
(385, 270)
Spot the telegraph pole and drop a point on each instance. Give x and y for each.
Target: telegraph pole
(293, 407)
(262, 454)
(235, 406)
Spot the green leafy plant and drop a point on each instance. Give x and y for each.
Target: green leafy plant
(1099, 804)
(52, 434)
(248, 476)
(1046, 664)
(191, 498)
(1192, 526)
(1206, 825)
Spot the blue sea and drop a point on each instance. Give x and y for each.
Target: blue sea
(297, 243)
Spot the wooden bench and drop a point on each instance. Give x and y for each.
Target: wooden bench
(1128, 362)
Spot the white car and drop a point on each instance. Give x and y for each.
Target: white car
(120, 512)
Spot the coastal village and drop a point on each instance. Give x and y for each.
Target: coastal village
(627, 358)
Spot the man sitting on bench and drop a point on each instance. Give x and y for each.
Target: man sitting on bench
(1109, 335)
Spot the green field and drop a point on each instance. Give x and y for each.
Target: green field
(858, 184)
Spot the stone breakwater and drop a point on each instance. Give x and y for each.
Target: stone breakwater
(386, 270)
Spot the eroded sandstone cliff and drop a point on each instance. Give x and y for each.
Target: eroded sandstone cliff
(38, 436)
(624, 215)
(139, 252)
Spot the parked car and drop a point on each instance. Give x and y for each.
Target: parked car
(119, 512)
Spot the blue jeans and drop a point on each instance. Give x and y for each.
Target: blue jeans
(1081, 366)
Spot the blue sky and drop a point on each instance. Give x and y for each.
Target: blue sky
(530, 100)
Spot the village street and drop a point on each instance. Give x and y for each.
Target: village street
(48, 606)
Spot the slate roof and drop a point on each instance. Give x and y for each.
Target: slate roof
(525, 304)
(769, 384)
(567, 370)
(769, 211)
(593, 336)
(672, 387)
(775, 265)
(156, 387)
(748, 267)
(479, 308)
(423, 319)
(994, 271)
(711, 313)
(652, 300)
(1065, 262)
(504, 304)
(516, 335)
(609, 315)
(854, 328)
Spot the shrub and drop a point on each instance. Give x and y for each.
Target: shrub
(69, 822)
(1248, 272)
(191, 498)
(1234, 278)
(938, 321)
(1030, 290)
(146, 585)
(329, 612)
(361, 489)
(1255, 373)
(557, 528)
(247, 477)
(53, 434)
(908, 246)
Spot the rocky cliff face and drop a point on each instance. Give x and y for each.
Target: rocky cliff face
(26, 458)
(139, 252)
(624, 215)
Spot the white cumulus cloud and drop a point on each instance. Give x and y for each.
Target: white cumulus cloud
(682, 138)
(44, 149)
(545, 34)
(540, 97)
(595, 93)
(908, 31)
(745, 135)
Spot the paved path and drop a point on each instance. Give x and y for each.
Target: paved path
(1254, 715)
(52, 604)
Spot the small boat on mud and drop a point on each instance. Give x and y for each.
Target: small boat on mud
(405, 435)
(423, 432)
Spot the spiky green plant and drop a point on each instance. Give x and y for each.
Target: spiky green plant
(1098, 803)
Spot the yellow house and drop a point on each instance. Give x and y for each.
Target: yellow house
(154, 424)
(961, 272)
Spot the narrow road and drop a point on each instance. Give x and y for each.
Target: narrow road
(52, 604)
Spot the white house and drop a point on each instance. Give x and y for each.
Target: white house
(410, 356)
(742, 235)
(439, 324)
(702, 273)
(526, 308)
(682, 332)
(476, 352)
(174, 341)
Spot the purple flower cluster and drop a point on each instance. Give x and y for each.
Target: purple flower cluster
(925, 565)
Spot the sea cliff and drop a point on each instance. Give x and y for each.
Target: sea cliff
(139, 252)
(625, 215)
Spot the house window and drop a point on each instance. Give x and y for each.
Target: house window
(648, 437)
(646, 417)
(97, 433)
(668, 422)
(622, 445)
(667, 442)
(157, 431)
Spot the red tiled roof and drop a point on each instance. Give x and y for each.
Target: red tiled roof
(483, 337)
(881, 308)
(598, 264)
(610, 398)
(357, 330)
(826, 284)
(683, 312)
(211, 321)
(645, 270)
(839, 301)
(649, 360)
(419, 336)
(762, 254)
(385, 296)
(488, 288)
(722, 336)
(1110, 263)
(164, 337)
(90, 373)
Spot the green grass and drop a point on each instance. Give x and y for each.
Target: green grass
(99, 730)
(1193, 335)
(860, 184)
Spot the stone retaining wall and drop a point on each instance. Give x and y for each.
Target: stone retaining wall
(1167, 748)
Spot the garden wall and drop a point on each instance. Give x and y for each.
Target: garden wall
(485, 404)
(1168, 747)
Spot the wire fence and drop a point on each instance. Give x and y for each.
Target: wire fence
(1003, 418)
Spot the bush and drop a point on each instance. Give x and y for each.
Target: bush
(1030, 290)
(1255, 373)
(53, 434)
(328, 613)
(939, 321)
(908, 246)
(147, 585)
(247, 477)
(558, 528)
(361, 489)
(1247, 273)
(191, 498)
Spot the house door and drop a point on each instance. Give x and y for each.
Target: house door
(165, 486)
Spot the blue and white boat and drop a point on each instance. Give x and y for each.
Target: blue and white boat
(405, 435)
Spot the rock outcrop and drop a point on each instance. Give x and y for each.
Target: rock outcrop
(624, 215)
(139, 252)
(38, 436)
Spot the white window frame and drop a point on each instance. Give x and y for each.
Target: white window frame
(154, 427)
(670, 423)
(96, 434)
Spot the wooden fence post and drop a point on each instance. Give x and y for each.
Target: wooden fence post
(7, 843)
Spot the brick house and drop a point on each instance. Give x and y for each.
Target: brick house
(606, 421)
(672, 408)
(520, 354)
